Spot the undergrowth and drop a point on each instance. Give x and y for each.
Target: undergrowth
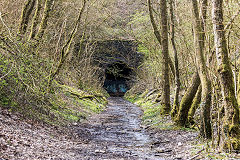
(200, 149)
(206, 150)
(151, 111)
(24, 88)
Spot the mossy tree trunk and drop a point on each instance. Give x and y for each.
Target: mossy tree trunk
(238, 89)
(175, 107)
(186, 102)
(35, 20)
(195, 105)
(205, 128)
(165, 54)
(25, 16)
(43, 24)
(231, 132)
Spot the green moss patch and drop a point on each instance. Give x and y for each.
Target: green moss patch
(152, 111)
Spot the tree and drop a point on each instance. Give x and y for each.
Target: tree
(25, 16)
(165, 69)
(158, 35)
(46, 14)
(205, 129)
(238, 89)
(175, 107)
(35, 19)
(181, 118)
(163, 40)
(65, 51)
(195, 104)
(230, 132)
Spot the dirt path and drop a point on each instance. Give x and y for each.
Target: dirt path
(117, 134)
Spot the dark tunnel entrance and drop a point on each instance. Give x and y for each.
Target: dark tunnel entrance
(117, 61)
(117, 79)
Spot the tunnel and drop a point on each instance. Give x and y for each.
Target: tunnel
(117, 79)
(117, 60)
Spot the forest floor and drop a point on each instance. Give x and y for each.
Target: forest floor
(116, 133)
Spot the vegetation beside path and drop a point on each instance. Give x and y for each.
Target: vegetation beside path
(149, 102)
(179, 57)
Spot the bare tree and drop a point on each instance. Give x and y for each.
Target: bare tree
(66, 48)
(25, 16)
(231, 131)
(158, 35)
(175, 107)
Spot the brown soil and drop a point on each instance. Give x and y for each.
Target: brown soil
(116, 133)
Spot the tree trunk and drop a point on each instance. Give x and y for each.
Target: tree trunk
(43, 24)
(177, 77)
(35, 20)
(205, 121)
(158, 35)
(231, 132)
(238, 89)
(181, 118)
(195, 105)
(165, 69)
(26, 12)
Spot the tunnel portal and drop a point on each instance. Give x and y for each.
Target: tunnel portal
(118, 79)
(118, 61)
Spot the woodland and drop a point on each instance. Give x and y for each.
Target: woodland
(53, 70)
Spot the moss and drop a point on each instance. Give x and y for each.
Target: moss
(144, 94)
(165, 110)
(174, 111)
(76, 92)
(234, 129)
(232, 144)
(181, 118)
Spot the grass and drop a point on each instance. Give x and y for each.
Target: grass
(62, 107)
(151, 112)
(203, 150)
(153, 118)
(73, 105)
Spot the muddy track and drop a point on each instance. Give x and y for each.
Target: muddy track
(117, 133)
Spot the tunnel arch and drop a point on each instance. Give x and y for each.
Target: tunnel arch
(118, 78)
(108, 55)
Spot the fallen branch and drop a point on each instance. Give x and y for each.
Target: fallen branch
(198, 153)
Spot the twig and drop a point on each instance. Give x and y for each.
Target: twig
(232, 19)
(198, 153)
(5, 24)
(7, 73)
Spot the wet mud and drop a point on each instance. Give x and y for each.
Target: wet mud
(117, 133)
